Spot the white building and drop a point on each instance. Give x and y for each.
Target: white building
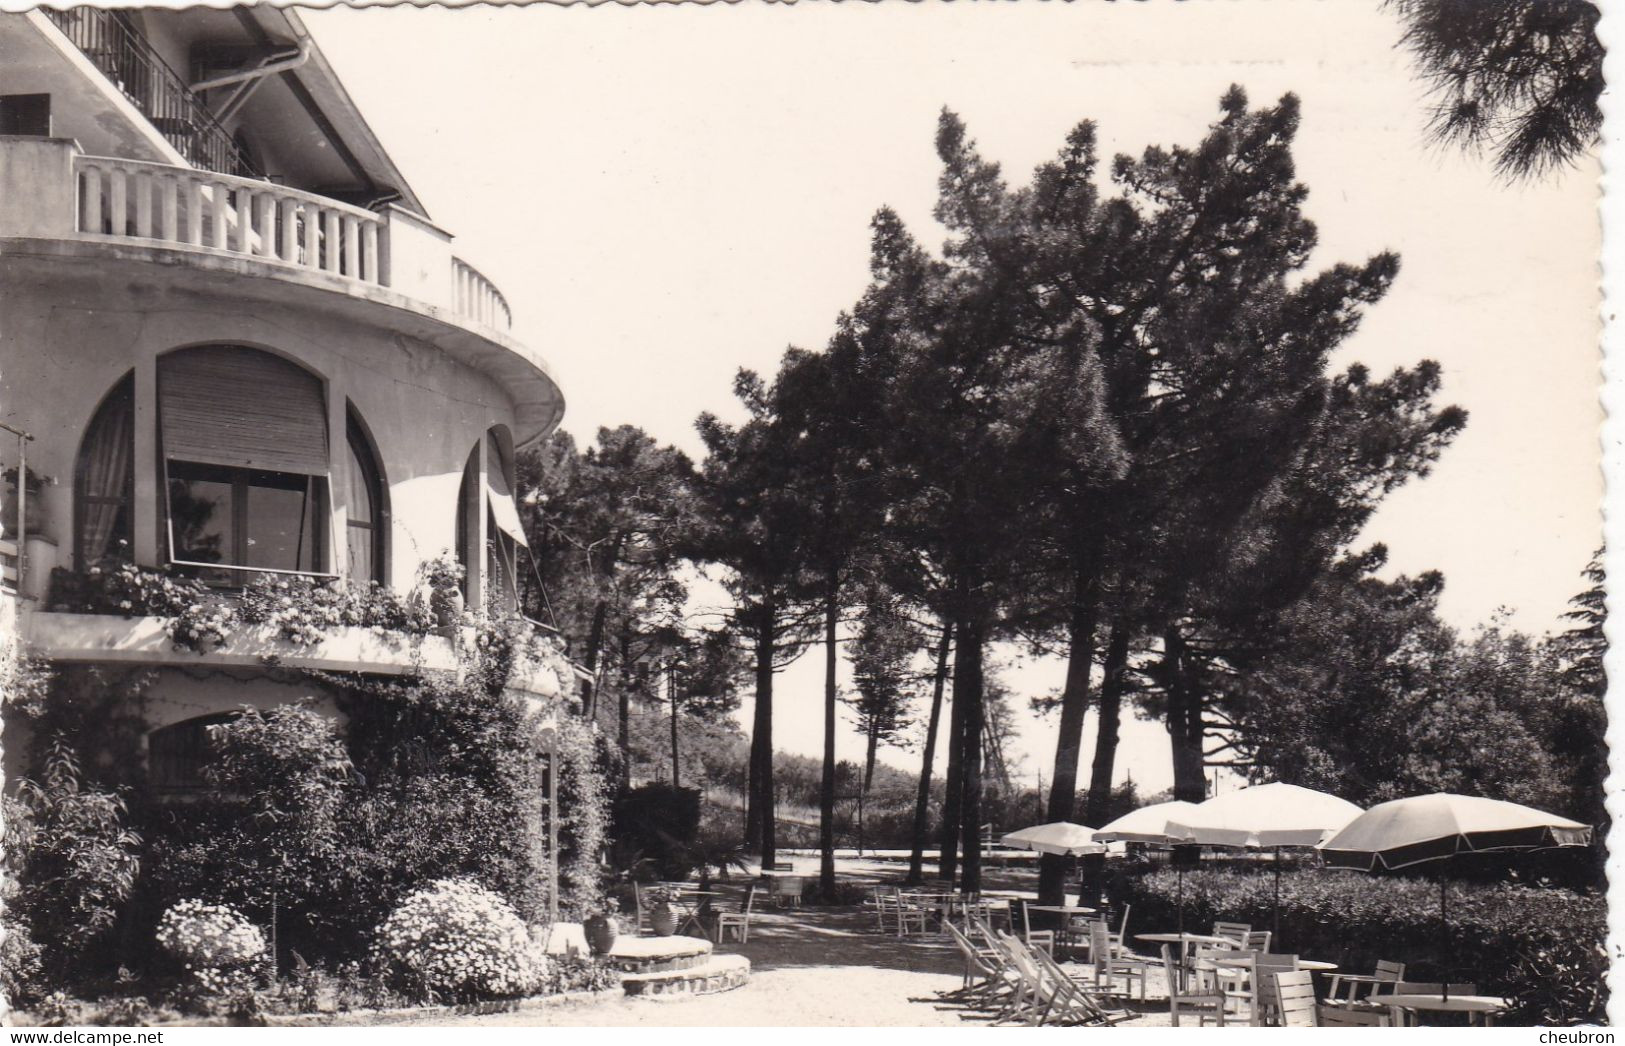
(238, 346)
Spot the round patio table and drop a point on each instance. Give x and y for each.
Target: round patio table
(1479, 1008)
(1185, 941)
(696, 906)
(1312, 965)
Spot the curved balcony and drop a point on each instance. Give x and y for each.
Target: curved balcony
(105, 638)
(58, 204)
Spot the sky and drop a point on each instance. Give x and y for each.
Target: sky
(667, 194)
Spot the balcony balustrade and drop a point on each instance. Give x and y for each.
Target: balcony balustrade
(50, 190)
(125, 199)
(477, 298)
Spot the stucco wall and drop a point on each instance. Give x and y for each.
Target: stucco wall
(180, 694)
(68, 340)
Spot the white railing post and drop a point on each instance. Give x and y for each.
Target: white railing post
(143, 204)
(330, 249)
(168, 211)
(217, 212)
(290, 230)
(245, 221)
(118, 202)
(193, 189)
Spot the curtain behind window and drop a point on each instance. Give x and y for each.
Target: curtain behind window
(105, 463)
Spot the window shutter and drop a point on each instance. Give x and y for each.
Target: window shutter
(244, 408)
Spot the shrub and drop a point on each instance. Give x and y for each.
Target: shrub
(456, 940)
(116, 586)
(1354, 920)
(1560, 983)
(21, 974)
(124, 1011)
(578, 975)
(79, 863)
(220, 950)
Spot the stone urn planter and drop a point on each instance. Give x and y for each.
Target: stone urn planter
(447, 605)
(601, 931)
(662, 919)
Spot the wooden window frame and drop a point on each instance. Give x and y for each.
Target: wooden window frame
(316, 487)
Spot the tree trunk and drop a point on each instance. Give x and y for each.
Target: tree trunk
(671, 691)
(1097, 811)
(826, 790)
(1184, 720)
(922, 800)
(1074, 705)
(868, 779)
(623, 737)
(759, 802)
(595, 643)
(953, 792)
(968, 701)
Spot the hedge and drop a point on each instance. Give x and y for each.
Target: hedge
(1541, 947)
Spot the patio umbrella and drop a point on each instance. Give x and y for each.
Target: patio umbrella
(1406, 832)
(1149, 824)
(1062, 838)
(1266, 816)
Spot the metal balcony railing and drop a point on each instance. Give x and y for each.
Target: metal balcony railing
(129, 61)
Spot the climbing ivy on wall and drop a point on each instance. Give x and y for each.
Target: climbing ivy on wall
(584, 804)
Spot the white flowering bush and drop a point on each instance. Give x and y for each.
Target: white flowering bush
(455, 939)
(216, 945)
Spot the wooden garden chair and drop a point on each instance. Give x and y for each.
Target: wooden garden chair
(1431, 988)
(1204, 1006)
(910, 914)
(1212, 973)
(1295, 997)
(1257, 941)
(1111, 962)
(881, 900)
(1044, 939)
(737, 921)
(1266, 1006)
(1234, 931)
(1383, 978)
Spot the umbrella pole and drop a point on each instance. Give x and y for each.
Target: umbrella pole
(1275, 922)
(1444, 931)
(1181, 897)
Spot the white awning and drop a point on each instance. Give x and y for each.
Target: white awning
(503, 510)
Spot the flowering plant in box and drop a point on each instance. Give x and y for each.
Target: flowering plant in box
(202, 626)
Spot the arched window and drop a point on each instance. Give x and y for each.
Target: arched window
(176, 754)
(467, 505)
(104, 479)
(245, 453)
(494, 503)
(366, 524)
(504, 534)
